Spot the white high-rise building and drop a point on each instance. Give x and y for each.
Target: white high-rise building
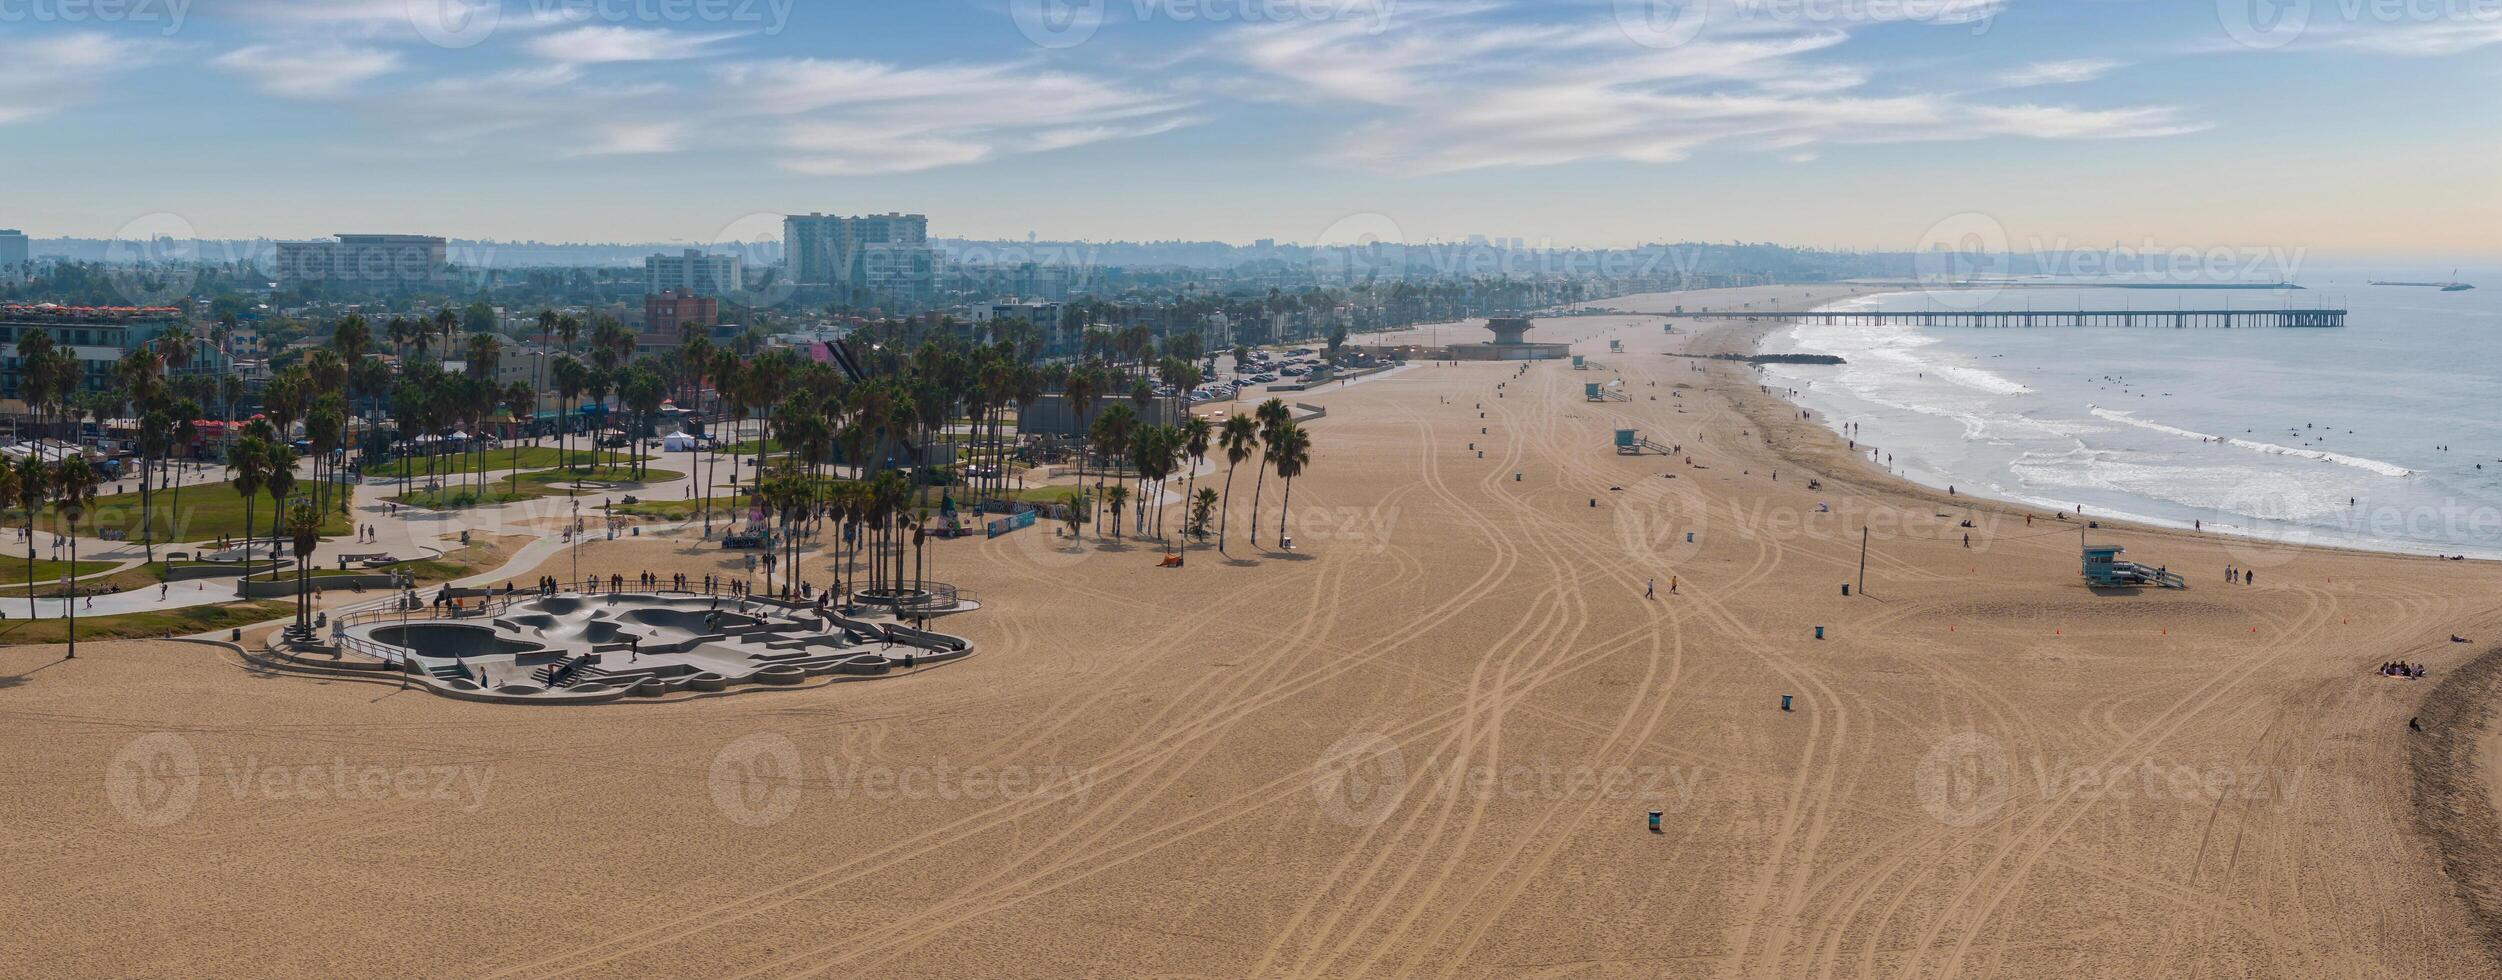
(695, 272)
(878, 250)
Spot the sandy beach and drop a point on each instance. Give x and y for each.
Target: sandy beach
(1425, 742)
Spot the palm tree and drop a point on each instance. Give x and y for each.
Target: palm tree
(279, 481)
(1111, 433)
(1271, 415)
(1240, 438)
(1290, 451)
(521, 400)
(1194, 446)
(34, 490)
(1115, 496)
(1202, 511)
(248, 460)
(304, 529)
(74, 483)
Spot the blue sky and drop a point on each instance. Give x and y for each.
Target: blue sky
(2345, 126)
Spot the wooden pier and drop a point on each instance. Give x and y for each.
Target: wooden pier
(2174, 319)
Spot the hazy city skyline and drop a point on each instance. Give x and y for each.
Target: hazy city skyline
(1849, 123)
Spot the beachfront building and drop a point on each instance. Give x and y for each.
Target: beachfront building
(694, 272)
(365, 260)
(97, 336)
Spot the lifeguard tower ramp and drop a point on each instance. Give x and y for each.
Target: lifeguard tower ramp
(1629, 442)
(2105, 569)
(1597, 392)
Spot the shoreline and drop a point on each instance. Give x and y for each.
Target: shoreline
(1753, 334)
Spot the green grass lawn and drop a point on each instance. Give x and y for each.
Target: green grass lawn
(532, 458)
(527, 486)
(679, 510)
(13, 570)
(208, 511)
(179, 622)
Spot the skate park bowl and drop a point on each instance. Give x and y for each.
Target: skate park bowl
(453, 640)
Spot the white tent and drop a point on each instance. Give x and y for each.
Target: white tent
(680, 442)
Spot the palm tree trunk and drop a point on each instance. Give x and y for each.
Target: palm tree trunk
(1225, 511)
(1256, 487)
(1282, 504)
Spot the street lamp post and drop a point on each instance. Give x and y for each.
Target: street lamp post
(576, 532)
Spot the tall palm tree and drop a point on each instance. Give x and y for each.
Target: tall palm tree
(279, 481)
(1290, 451)
(248, 460)
(74, 486)
(1111, 434)
(1115, 496)
(1271, 415)
(303, 524)
(34, 491)
(521, 400)
(1240, 438)
(1195, 433)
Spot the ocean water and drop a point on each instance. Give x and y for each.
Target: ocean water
(2386, 434)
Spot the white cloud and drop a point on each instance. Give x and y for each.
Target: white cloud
(635, 138)
(2427, 40)
(1450, 87)
(309, 72)
(590, 45)
(865, 117)
(2059, 72)
(42, 76)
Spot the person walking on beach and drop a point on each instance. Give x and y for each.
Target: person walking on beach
(1650, 589)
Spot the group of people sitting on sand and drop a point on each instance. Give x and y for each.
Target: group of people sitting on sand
(2400, 668)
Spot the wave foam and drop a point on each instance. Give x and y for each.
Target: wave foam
(2341, 459)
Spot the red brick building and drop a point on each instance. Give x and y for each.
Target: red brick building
(666, 317)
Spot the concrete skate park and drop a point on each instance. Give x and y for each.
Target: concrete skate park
(585, 648)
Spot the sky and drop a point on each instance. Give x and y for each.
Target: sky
(2363, 127)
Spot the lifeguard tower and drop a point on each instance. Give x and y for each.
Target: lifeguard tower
(1597, 392)
(1629, 442)
(1615, 347)
(1580, 363)
(2104, 569)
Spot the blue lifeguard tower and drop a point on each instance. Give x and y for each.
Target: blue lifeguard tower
(1629, 442)
(2104, 569)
